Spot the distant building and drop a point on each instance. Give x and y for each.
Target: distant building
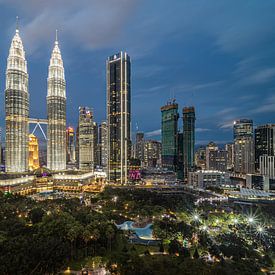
(152, 153)
(180, 167)
(230, 156)
(200, 158)
(70, 145)
(119, 116)
(267, 166)
(216, 159)
(33, 152)
(189, 119)
(169, 131)
(207, 178)
(96, 146)
(103, 150)
(85, 139)
(264, 142)
(139, 146)
(243, 146)
(260, 182)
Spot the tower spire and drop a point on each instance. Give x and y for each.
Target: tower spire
(56, 37)
(17, 24)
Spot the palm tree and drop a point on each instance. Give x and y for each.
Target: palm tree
(110, 234)
(86, 235)
(95, 235)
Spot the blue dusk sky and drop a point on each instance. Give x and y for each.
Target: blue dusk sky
(214, 54)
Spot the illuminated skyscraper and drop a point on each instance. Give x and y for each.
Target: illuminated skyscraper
(17, 108)
(33, 152)
(103, 153)
(169, 135)
(85, 139)
(243, 146)
(70, 145)
(189, 119)
(118, 116)
(56, 108)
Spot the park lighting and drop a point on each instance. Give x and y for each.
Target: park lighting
(235, 220)
(217, 221)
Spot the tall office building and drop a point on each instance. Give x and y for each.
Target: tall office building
(152, 153)
(264, 142)
(189, 119)
(243, 146)
(230, 155)
(118, 68)
(180, 167)
(169, 135)
(139, 146)
(267, 166)
(17, 108)
(85, 139)
(216, 158)
(96, 144)
(56, 110)
(33, 152)
(103, 153)
(200, 158)
(70, 145)
(211, 148)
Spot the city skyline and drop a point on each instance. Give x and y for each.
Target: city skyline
(236, 75)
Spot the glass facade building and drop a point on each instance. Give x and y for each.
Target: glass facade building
(17, 108)
(118, 69)
(189, 118)
(169, 135)
(85, 139)
(70, 145)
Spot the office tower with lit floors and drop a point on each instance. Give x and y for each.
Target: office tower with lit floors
(56, 111)
(17, 108)
(85, 139)
(102, 141)
(243, 146)
(264, 142)
(169, 135)
(189, 118)
(118, 69)
(70, 145)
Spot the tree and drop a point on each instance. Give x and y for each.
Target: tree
(196, 254)
(36, 215)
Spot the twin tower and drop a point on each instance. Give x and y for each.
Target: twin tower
(17, 110)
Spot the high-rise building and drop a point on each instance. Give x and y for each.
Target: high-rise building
(96, 146)
(56, 110)
(85, 139)
(230, 155)
(17, 108)
(189, 119)
(118, 68)
(139, 146)
(152, 153)
(264, 142)
(200, 158)
(33, 152)
(243, 146)
(70, 145)
(169, 135)
(103, 152)
(180, 167)
(267, 166)
(216, 158)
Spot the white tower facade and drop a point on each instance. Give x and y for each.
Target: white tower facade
(17, 108)
(56, 110)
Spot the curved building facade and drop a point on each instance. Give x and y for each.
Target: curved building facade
(56, 110)
(17, 108)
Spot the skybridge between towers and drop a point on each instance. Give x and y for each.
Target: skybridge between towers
(38, 122)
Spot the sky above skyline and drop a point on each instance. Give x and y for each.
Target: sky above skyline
(216, 55)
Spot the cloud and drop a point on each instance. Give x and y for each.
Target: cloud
(202, 130)
(89, 24)
(153, 133)
(267, 106)
(259, 77)
(227, 125)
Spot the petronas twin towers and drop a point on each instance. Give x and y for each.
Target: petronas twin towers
(17, 110)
